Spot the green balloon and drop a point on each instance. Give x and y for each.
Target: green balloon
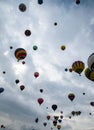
(35, 47)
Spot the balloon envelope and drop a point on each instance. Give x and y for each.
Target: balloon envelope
(20, 53)
(89, 74)
(40, 101)
(54, 107)
(90, 62)
(1, 90)
(71, 96)
(40, 1)
(22, 7)
(78, 66)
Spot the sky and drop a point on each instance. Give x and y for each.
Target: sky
(74, 30)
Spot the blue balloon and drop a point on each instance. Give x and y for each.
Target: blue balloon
(1, 90)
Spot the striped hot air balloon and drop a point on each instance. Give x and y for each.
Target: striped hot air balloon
(78, 66)
(89, 74)
(20, 53)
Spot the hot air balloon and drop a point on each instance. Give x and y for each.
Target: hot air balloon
(40, 101)
(20, 53)
(92, 104)
(54, 107)
(11, 47)
(61, 116)
(55, 23)
(27, 33)
(73, 113)
(63, 47)
(41, 90)
(4, 72)
(58, 127)
(66, 69)
(1, 90)
(56, 117)
(77, 1)
(90, 62)
(22, 7)
(89, 74)
(44, 123)
(17, 81)
(36, 74)
(70, 70)
(35, 47)
(23, 62)
(36, 120)
(71, 96)
(48, 117)
(78, 66)
(22, 87)
(59, 120)
(40, 1)
(2, 126)
(54, 122)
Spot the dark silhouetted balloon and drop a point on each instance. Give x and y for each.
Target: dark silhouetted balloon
(55, 23)
(1, 90)
(22, 87)
(11, 47)
(77, 1)
(54, 107)
(22, 7)
(23, 62)
(41, 90)
(4, 72)
(40, 101)
(17, 81)
(71, 96)
(36, 120)
(48, 117)
(36, 74)
(92, 104)
(40, 2)
(27, 33)
(44, 123)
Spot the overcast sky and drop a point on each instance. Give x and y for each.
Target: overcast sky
(75, 29)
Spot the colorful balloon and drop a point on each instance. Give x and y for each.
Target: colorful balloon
(89, 74)
(90, 62)
(78, 66)
(40, 101)
(20, 53)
